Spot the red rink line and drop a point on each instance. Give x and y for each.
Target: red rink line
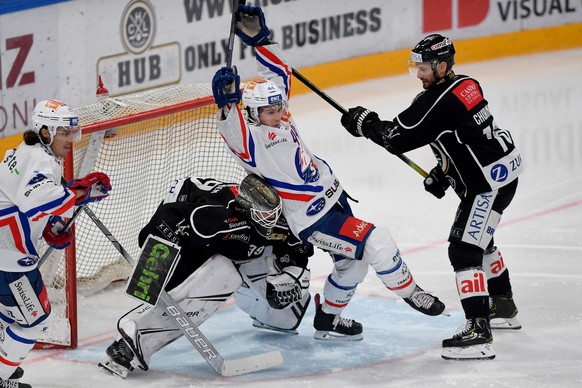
(503, 224)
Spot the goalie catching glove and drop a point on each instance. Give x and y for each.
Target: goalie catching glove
(54, 235)
(96, 185)
(226, 87)
(250, 26)
(287, 287)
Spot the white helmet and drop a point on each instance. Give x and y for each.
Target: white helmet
(258, 94)
(54, 114)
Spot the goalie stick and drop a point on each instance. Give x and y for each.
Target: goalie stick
(223, 367)
(343, 110)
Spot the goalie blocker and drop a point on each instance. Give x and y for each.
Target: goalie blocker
(155, 266)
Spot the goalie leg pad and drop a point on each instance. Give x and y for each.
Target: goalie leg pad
(251, 298)
(146, 330)
(283, 320)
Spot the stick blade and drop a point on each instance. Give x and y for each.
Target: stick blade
(252, 364)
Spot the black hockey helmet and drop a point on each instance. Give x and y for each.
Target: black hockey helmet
(260, 202)
(433, 49)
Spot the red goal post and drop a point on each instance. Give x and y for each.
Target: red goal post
(143, 142)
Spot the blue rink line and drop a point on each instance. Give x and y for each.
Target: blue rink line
(392, 330)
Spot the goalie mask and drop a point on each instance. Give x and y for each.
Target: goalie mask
(433, 49)
(261, 93)
(54, 114)
(260, 202)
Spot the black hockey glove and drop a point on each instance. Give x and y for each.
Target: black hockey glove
(436, 182)
(358, 121)
(287, 287)
(250, 26)
(226, 87)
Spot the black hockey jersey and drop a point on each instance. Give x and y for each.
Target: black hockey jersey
(199, 215)
(454, 118)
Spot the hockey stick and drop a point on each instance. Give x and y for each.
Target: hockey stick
(343, 110)
(231, 36)
(50, 249)
(190, 330)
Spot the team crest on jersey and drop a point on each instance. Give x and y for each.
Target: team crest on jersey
(316, 207)
(181, 229)
(27, 261)
(37, 178)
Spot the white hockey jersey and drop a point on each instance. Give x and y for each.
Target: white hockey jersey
(30, 190)
(305, 183)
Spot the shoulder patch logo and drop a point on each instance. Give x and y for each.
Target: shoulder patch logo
(469, 93)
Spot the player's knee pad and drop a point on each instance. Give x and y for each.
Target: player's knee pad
(348, 273)
(384, 256)
(471, 282)
(381, 251)
(493, 263)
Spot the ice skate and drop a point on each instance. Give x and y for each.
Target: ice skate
(18, 373)
(503, 313)
(426, 303)
(334, 327)
(118, 359)
(123, 355)
(260, 325)
(13, 383)
(473, 341)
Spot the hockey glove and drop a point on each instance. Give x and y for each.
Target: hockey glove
(250, 26)
(226, 87)
(436, 182)
(53, 233)
(287, 287)
(294, 252)
(358, 121)
(97, 187)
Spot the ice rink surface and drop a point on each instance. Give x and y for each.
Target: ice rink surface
(539, 99)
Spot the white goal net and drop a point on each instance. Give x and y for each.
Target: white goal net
(142, 141)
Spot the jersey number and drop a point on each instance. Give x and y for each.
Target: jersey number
(501, 135)
(255, 251)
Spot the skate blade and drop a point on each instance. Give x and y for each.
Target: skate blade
(474, 352)
(330, 336)
(505, 324)
(114, 368)
(262, 326)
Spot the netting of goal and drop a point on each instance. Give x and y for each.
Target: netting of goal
(143, 142)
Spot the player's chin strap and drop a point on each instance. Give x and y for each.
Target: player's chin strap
(190, 330)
